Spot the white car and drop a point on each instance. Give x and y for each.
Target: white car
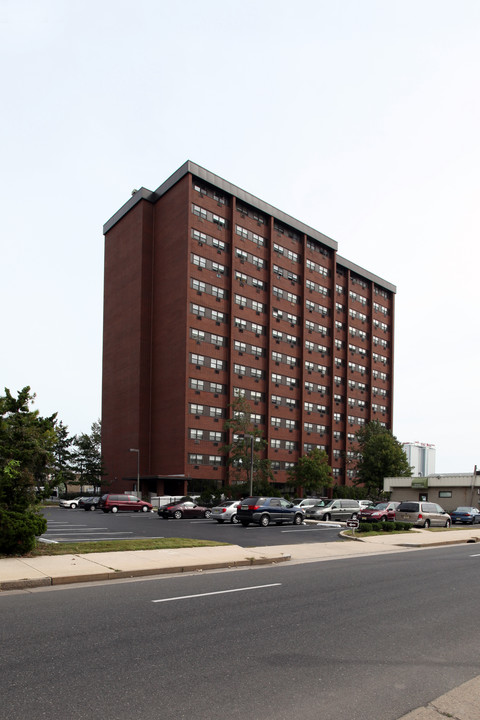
(72, 504)
(226, 511)
(308, 502)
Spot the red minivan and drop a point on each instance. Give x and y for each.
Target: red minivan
(114, 503)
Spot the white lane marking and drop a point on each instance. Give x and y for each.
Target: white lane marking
(218, 592)
(77, 532)
(44, 540)
(477, 555)
(326, 527)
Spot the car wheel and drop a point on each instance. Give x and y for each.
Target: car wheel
(265, 521)
(426, 524)
(114, 509)
(144, 508)
(92, 507)
(354, 516)
(326, 516)
(298, 519)
(207, 514)
(447, 523)
(73, 506)
(245, 523)
(234, 519)
(220, 522)
(178, 514)
(384, 518)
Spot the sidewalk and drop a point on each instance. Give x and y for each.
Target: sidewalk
(21, 573)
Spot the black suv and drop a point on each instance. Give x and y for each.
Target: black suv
(264, 510)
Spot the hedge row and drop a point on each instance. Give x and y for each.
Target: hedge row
(384, 526)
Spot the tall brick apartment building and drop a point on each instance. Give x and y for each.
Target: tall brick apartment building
(211, 293)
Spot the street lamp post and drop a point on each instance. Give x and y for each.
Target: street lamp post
(251, 437)
(136, 450)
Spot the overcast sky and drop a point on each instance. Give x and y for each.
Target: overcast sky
(359, 117)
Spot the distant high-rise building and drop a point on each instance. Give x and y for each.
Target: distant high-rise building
(421, 457)
(212, 294)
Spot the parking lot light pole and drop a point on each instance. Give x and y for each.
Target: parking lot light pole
(136, 450)
(251, 437)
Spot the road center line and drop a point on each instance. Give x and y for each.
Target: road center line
(218, 592)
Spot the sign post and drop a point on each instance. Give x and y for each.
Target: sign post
(352, 524)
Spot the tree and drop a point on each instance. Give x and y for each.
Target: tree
(87, 457)
(26, 449)
(238, 452)
(379, 455)
(62, 471)
(26, 453)
(312, 472)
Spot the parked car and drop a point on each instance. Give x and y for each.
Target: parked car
(186, 509)
(115, 503)
(72, 504)
(308, 502)
(226, 511)
(381, 512)
(366, 503)
(89, 503)
(264, 510)
(422, 514)
(337, 509)
(465, 515)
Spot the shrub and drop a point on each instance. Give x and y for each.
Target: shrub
(19, 530)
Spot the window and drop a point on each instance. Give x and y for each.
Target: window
(196, 384)
(274, 443)
(215, 436)
(218, 292)
(216, 364)
(196, 409)
(197, 359)
(217, 340)
(200, 261)
(198, 286)
(197, 335)
(239, 369)
(200, 212)
(195, 434)
(240, 346)
(275, 421)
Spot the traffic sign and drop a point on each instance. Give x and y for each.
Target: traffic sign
(352, 523)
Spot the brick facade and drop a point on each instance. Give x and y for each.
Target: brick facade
(211, 293)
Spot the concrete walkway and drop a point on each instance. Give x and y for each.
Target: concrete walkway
(462, 703)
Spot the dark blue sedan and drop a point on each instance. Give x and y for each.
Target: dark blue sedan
(266, 510)
(465, 515)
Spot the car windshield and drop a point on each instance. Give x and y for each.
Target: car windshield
(227, 504)
(380, 506)
(464, 509)
(329, 503)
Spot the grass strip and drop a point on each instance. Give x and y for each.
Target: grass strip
(77, 548)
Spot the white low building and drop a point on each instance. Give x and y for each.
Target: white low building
(449, 491)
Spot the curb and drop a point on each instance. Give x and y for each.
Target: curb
(147, 572)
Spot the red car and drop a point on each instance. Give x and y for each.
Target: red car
(381, 512)
(183, 509)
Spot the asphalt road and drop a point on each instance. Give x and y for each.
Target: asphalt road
(356, 638)
(78, 526)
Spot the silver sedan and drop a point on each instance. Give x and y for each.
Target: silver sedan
(226, 511)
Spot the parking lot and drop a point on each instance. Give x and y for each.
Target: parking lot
(80, 526)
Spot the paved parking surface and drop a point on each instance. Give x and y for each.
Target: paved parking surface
(80, 526)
